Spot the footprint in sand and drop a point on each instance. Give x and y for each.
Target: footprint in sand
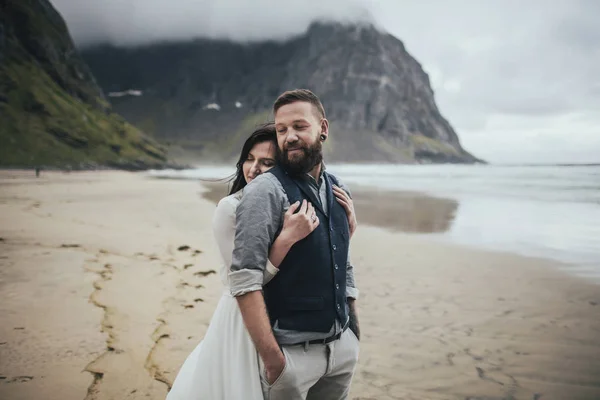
(20, 379)
(185, 284)
(205, 273)
(37, 204)
(185, 247)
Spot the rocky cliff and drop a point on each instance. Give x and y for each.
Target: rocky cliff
(206, 95)
(52, 112)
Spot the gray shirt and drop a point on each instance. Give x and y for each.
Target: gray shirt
(259, 216)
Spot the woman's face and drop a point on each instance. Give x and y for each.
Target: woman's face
(260, 159)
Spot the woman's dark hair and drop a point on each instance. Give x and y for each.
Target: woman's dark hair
(264, 133)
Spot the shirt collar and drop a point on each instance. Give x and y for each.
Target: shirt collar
(318, 183)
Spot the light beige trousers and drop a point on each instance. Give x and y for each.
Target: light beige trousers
(316, 371)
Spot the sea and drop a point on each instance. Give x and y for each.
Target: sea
(547, 211)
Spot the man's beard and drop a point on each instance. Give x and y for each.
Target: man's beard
(301, 163)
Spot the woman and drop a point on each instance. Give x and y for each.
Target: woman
(225, 364)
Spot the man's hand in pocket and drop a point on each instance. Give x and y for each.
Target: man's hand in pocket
(274, 368)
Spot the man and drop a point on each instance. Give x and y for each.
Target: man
(299, 321)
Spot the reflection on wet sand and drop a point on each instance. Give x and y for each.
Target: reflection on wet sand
(410, 212)
(216, 191)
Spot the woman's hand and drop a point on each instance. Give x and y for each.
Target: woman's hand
(298, 225)
(342, 197)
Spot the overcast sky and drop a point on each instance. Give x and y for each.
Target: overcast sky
(518, 80)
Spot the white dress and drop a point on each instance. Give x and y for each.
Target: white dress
(224, 365)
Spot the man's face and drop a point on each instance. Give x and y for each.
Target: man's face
(299, 128)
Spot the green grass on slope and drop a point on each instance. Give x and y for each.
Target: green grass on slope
(40, 124)
(421, 142)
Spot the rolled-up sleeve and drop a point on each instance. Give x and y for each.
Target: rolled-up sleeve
(258, 217)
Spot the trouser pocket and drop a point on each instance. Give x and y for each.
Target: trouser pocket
(285, 379)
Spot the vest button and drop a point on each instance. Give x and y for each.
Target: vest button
(337, 286)
(335, 266)
(334, 247)
(338, 306)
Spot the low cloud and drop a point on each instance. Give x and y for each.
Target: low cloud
(511, 76)
(131, 22)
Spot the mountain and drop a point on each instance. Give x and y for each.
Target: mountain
(52, 112)
(206, 95)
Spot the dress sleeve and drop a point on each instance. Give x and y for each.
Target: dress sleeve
(224, 229)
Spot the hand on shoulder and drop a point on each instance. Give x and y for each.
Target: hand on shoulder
(342, 195)
(298, 225)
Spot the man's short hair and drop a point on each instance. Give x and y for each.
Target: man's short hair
(293, 96)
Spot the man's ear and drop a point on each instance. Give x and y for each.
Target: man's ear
(324, 128)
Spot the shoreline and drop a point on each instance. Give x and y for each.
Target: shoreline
(126, 270)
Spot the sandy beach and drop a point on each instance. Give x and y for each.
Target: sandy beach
(107, 282)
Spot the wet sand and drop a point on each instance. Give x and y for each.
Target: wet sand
(107, 283)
